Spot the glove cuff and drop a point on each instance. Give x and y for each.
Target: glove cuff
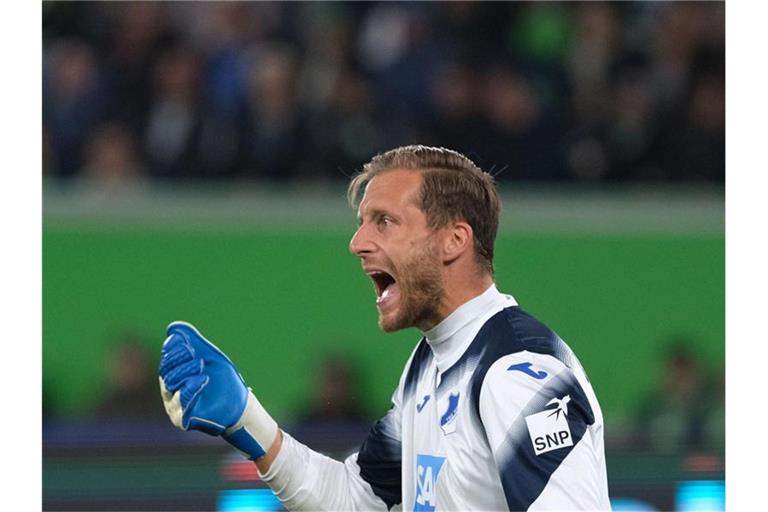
(254, 432)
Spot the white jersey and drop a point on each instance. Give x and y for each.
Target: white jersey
(493, 412)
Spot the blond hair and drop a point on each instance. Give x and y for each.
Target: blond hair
(453, 188)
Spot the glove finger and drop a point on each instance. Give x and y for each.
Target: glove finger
(174, 377)
(178, 404)
(188, 395)
(173, 340)
(174, 353)
(198, 343)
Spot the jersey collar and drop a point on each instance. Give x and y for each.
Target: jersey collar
(451, 337)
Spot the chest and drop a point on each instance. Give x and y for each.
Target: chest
(446, 455)
(440, 415)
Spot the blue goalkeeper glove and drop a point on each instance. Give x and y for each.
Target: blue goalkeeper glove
(202, 390)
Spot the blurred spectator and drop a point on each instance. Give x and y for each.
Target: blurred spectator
(713, 430)
(345, 130)
(398, 48)
(172, 129)
(224, 33)
(586, 91)
(275, 121)
(332, 420)
(695, 143)
(630, 133)
(522, 136)
(131, 389)
(111, 158)
(682, 415)
(540, 37)
(73, 98)
(136, 33)
(593, 52)
(457, 120)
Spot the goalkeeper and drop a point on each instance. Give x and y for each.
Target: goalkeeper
(493, 410)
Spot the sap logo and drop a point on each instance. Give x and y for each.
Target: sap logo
(427, 470)
(448, 419)
(526, 369)
(549, 428)
(420, 406)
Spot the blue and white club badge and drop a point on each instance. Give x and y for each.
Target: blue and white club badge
(448, 419)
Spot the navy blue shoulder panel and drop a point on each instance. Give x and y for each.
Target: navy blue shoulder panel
(524, 474)
(380, 456)
(380, 460)
(420, 359)
(509, 331)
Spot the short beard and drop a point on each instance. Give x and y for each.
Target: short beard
(421, 290)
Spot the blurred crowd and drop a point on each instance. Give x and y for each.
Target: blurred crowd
(685, 411)
(593, 91)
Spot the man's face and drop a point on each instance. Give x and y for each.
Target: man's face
(399, 252)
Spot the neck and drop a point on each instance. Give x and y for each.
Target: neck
(457, 291)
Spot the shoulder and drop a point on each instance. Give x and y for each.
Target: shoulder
(514, 379)
(514, 330)
(517, 355)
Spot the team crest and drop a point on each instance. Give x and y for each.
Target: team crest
(448, 419)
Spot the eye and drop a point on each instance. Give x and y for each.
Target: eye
(383, 221)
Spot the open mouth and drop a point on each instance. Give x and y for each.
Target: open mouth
(383, 283)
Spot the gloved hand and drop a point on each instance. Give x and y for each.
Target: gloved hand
(202, 390)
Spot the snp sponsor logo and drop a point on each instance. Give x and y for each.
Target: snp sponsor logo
(427, 469)
(549, 429)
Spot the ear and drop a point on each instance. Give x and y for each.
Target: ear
(458, 239)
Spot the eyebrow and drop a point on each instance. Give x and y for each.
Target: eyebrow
(377, 212)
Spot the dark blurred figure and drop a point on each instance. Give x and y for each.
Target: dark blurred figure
(713, 430)
(677, 416)
(398, 50)
(111, 158)
(333, 419)
(73, 99)
(457, 113)
(587, 91)
(172, 127)
(540, 37)
(694, 144)
(521, 136)
(633, 124)
(134, 36)
(224, 32)
(345, 130)
(595, 48)
(131, 390)
(274, 135)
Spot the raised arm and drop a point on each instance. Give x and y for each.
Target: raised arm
(202, 390)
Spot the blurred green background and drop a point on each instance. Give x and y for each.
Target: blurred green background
(267, 276)
(194, 159)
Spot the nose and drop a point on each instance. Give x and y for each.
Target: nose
(361, 244)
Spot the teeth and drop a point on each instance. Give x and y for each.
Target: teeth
(383, 296)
